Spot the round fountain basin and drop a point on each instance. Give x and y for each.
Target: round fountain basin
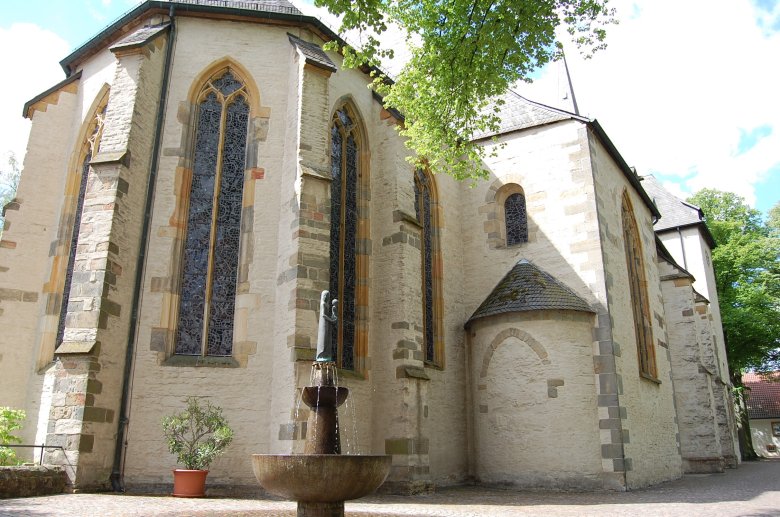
(320, 478)
(324, 396)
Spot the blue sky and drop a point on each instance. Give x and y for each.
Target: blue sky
(686, 90)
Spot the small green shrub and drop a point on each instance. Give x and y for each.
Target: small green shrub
(10, 420)
(197, 435)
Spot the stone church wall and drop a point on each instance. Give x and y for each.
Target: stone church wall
(406, 408)
(694, 396)
(551, 164)
(257, 393)
(534, 401)
(645, 428)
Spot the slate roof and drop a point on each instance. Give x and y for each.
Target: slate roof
(313, 53)
(528, 288)
(140, 37)
(764, 398)
(273, 6)
(674, 211)
(517, 113)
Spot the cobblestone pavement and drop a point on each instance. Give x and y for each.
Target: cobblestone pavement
(752, 490)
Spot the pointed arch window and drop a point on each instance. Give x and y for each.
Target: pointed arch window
(211, 246)
(516, 219)
(425, 205)
(344, 228)
(643, 327)
(90, 149)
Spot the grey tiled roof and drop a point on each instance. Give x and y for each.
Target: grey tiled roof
(674, 211)
(528, 288)
(274, 6)
(517, 112)
(140, 37)
(313, 53)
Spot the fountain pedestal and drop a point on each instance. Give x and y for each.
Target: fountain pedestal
(321, 479)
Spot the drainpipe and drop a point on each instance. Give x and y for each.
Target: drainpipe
(117, 472)
(682, 247)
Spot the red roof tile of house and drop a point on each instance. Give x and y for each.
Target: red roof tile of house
(764, 398)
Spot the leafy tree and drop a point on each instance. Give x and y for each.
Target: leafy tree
(773, 220)
(463, 54)
(9, 182)
(747, 269)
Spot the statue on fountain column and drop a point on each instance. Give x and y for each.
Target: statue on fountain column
(324, 349)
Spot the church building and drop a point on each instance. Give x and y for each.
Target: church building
(206, 170)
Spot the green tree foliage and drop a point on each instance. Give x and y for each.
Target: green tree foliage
(10, 420)
(463, 54)
(773, 220)
(9, 182)
(747, 269)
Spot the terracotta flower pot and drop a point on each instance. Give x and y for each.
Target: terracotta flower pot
(189, 483)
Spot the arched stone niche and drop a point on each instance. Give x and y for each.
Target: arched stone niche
(534, 402)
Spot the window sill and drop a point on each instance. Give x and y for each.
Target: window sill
(201, 361)
(649, 377)
(433, 366)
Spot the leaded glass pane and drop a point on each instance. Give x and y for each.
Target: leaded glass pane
(335, 221)
(343, 236)
(225, 269)
(428, 273)
(227, 84)
(516, 219)
(350, 256)
(197, 244)
(422, 194)
(72, 251)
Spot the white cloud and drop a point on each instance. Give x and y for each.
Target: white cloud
(676, 85)
(35, 69)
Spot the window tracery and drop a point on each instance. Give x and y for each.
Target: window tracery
(516, 219)
(643, 327)
(91, 147)
(343, 233)
(423, 206)
(211, 246)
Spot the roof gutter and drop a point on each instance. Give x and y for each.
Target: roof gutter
(98, 41)
(627, 172)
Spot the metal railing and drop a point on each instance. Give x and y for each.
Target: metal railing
(27, 446)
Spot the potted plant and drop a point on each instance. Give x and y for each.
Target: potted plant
(196, 436)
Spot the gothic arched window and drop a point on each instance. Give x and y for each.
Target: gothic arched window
(425, 204)
(89, 149)
(211, 247)
(516, 219)
(349, 242)
(643, 326)
(343, 232)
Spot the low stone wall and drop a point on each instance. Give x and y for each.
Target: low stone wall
(30, 481)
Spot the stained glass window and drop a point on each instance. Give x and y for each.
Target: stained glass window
(516, 219)
(91, 145)
(640, 306)
(343, 233)
(211, 246)
(422, 196)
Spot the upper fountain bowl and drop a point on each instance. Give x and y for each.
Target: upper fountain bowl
(320, 478)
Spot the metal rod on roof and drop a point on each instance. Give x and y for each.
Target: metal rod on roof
(571, 87)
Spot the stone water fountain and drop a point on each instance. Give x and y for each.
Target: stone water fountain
(321, 479)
